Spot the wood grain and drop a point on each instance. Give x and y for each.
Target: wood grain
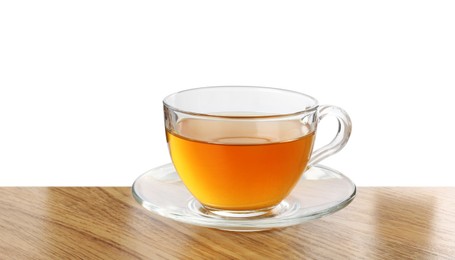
(106, 223)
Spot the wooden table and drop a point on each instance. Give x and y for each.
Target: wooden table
(107, 223)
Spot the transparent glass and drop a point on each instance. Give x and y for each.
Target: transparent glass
(241, 150)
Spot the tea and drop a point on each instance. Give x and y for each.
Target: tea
(239, 164)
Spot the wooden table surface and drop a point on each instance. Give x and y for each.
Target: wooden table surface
(107, 223)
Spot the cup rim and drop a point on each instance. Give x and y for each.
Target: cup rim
(312, 107)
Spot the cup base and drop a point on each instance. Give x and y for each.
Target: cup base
(242, 216)
(194, 206)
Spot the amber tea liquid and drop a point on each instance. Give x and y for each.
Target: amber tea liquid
(238, 165)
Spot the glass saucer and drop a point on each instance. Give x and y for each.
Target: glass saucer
(320, 191)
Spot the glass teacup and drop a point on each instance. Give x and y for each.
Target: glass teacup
(240, 149)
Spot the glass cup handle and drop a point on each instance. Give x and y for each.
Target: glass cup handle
(341, 137)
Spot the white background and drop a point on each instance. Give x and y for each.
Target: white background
(81, 82)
